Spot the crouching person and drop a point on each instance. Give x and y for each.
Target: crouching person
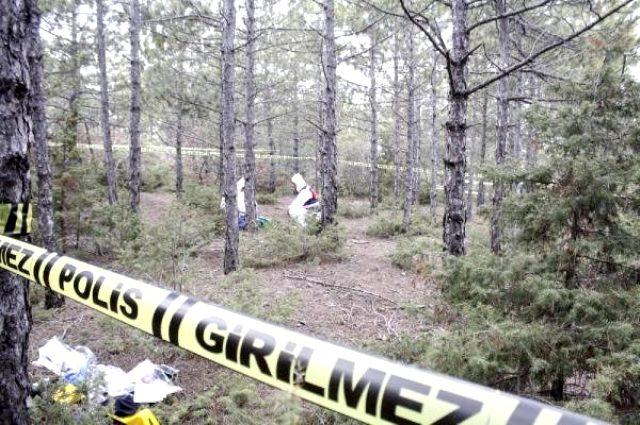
(306, 199)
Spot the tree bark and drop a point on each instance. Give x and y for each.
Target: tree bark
(249, 128)
(329, 152)
(433, 194)
(135, 152)
(395, 110)
(483, 147)
(109, 166)
(231, 259)
(70, 144)
(19, 22)
(502, 128)
(453, 220)
(43, 163)
(411, 137)
(319, 140)
(374, 194)
(179, 171)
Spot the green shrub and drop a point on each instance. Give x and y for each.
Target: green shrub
(353, 210)
(203, 197)
(155, 177)
(413, 253)
(385, 224)
(266, 198)
(281, 244)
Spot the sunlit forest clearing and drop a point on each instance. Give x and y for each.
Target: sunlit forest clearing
(453, 185)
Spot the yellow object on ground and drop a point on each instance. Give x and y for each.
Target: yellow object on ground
(69, 394)
(141, 417)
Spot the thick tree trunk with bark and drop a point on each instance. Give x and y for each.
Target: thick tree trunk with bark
(502, 128)
(374, 194)
(395, 110)
(18, 26)
(319, 140)
(109, 166)
(329, 152)
(483, 147)
(250, 96)
(231, 240)
(43, 164)
(433, 194)
(179, 171)
(135, 153)
(409, 181)
(454, 161)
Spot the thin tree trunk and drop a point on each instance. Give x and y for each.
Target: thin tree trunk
(70, 148)
(483, 147)
(320, 125)
(411, 137)
(179, 172)
(470, 173)
(502, 129)
(296, 141)
(272, 152)
(395, 110)
(231, 259)
(109, 166)
(43, 164)
(250, 95)
(19, 22)
(135, 153)
(433, 194)
(329, 151)
(373, 142)
(453, 220)
(417, 147)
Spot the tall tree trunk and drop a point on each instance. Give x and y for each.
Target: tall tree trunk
(411, 137)
(109, 166)
(250, 96)
(296, 140)
(320, 126)
(483, 147)
(433, 194)
(70, 145)
(43, 164)
(179, 172)
(18, 28)
(135, 153)
(231, 240)
(453, 220)
(502, 129)
(329, 151)
(272, 152)
(417, 146)
(373, 141)
(395, 110)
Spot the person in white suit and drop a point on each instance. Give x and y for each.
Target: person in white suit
(304, 200)
(242, 209)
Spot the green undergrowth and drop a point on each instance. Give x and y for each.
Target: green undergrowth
(352, 209)
(265, 198)
(288, 243)
(388, 223)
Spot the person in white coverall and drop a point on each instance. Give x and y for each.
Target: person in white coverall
(304, 200)
(242, 209)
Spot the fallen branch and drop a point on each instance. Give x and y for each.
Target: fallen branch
(331, 285)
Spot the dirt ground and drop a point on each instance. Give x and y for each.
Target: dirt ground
(361, 301)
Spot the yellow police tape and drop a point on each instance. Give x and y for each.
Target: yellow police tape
(361, 386)
(15, 219)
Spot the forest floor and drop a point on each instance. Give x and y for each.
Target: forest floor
(360, 299)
